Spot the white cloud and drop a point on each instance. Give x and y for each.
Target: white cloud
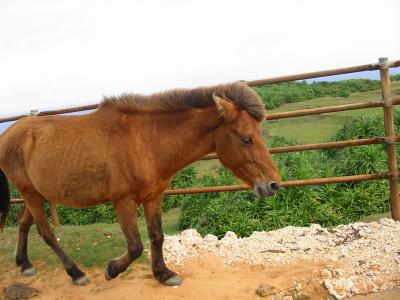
(63, 53)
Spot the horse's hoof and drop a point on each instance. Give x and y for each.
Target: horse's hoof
(111, 270)
(29, 272)
(173, 281)
(82, 281)
(106, 275)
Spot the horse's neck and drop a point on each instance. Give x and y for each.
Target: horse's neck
(180, 138)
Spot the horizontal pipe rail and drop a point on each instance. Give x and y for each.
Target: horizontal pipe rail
(17, 201)
(327, 109)
(361, 68)
(317, 181)
(241, 187)
(319, 146)
(68, 110)
(355, 69)
(52, 112)
(272, 116)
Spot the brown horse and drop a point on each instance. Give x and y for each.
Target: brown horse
(127, 152)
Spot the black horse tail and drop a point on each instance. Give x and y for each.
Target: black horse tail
(4, 199)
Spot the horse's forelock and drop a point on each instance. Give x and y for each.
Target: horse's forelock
(246, 98)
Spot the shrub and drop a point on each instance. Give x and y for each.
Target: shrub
(278, 94)
(184, 179)
(395, 77)
(327, 205)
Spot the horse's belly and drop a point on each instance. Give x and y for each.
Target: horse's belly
(83, 186)
(88, 202)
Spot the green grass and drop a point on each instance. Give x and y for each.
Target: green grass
(88, 245)
(376, 217)
(319, 128)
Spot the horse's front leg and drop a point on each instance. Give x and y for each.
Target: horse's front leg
(152, 210)
(125, 210)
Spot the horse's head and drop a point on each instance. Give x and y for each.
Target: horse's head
(240, 147)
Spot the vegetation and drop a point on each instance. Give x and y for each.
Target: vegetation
(89, 245)
(278, 94)
(327, 205)
(319, 128)
(395, 77)
(297, 91)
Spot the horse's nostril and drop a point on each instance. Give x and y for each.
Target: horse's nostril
(273, 186)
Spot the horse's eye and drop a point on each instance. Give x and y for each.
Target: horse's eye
(247, 141)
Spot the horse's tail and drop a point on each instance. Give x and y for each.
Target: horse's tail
(4, 199)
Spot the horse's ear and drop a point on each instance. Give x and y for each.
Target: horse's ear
(226, 109)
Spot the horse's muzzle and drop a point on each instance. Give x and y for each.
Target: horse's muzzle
(264, 189)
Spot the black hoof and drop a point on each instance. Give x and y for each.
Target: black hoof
(173, 281)
(29, 272)
(111, 271)
(82, 281)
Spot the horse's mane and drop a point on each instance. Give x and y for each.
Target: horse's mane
(179, 99)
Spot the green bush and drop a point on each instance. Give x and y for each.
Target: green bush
(184, 179)
(327, 205)
(278, 94)
(395, 77)
(103, 213)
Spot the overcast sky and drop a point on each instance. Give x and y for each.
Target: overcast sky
(56, 54)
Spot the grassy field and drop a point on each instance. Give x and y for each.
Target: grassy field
(319, 128)
(89, 245)
(312, 129)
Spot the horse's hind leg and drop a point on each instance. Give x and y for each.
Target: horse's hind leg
(35, 202)
(126, 213)
(25, 223)
(152, 210)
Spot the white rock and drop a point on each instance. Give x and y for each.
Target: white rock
(340, 288)
(210, 238)
(230, 235)
(387, 222)
(356, 258)
(326, 274)
(354, 291)
(190, 238)
(339, 273)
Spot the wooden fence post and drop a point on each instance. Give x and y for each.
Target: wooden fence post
(390, 137)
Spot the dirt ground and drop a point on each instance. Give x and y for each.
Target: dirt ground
(204, 278)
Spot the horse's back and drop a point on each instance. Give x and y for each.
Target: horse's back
(32, 133)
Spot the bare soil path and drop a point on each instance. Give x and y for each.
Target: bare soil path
(204, 278)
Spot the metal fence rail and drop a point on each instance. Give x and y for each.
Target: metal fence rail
(390, 139)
